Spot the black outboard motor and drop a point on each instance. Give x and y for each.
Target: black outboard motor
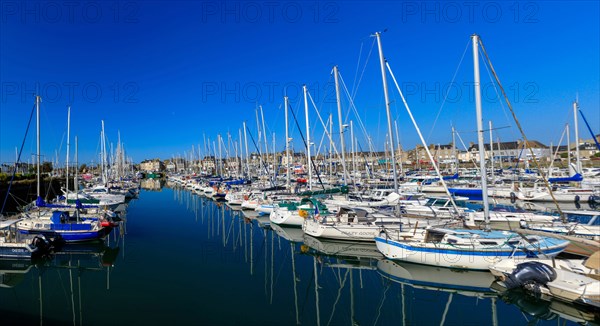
(530, 272)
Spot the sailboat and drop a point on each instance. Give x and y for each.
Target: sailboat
(48, 221)
(466, 248)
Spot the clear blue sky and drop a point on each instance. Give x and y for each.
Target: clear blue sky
(166, 74)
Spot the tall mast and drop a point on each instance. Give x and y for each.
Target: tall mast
(486, 212)
(247, 154)
(287, 143)
(339, 108)
(264, 131)
(387, 109)
(331, 147)
(103, 154)
(241, 153)
(219, 140)
(68, 147)
(491, 151)
(454, 150)
(568, 147)
(75, 181)
(577, 157)
(38, 99)
(308, 160)
(399, 147)
(353, 149)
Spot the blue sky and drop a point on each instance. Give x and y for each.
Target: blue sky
(167, 74)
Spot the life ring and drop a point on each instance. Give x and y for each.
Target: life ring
(513, 197)
(303, 213)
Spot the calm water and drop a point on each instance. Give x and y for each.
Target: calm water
(183, 260)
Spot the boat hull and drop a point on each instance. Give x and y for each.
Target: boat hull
(447, 255)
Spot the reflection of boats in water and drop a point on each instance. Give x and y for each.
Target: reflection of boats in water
(469, 283)
(56, 290)
(93, 252)
(547, 309)
(152, 184)
(343, 248)
(12, 271)
(291, 234)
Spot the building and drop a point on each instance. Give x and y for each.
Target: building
(153, 165)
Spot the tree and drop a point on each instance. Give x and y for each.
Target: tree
(46, 167)
(82, 168)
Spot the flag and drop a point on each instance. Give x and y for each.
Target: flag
(317, 216)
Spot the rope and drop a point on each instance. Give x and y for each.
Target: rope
(18, 159)
(448, 91)
(535, 161)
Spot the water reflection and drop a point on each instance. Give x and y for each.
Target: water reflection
(152, 184)
(278, 275)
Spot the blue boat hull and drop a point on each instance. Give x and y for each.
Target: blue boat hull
(70, 236)
(12, 252)
(473, 194)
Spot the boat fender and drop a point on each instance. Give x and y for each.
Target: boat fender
(523, 224)
(530, 272)
(577, 198)
(513, 197)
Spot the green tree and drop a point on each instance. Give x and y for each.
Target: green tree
(47, 167)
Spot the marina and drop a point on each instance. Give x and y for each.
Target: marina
(351, 165)
(201, 259)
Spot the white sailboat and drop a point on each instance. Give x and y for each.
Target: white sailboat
(465, 248)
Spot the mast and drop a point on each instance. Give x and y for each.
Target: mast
(247, 154)
(331, 148)
(568, 146)
(38, 99)
(287, 144)
(68, 146)
(219, 140)
(340, 122)
(353, 148)
(307, 138)
(486, 212)
(264, 131)
(454, 150)
(241, 154)
(491, 151)
(103, 154)
(387, 109)
(75, 181)
(577, 154)
(399, 147)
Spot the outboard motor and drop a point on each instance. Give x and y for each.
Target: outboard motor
(528, 273)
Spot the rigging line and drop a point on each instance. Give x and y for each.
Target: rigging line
(355, 90)
(322, 123)
(310, 161)
(498, 95)
(353, 106)
(526, 141)
(260, 156)
(447, 92)
(357, 64)
(18, 159)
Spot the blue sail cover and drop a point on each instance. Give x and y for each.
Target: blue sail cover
(574, 178)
